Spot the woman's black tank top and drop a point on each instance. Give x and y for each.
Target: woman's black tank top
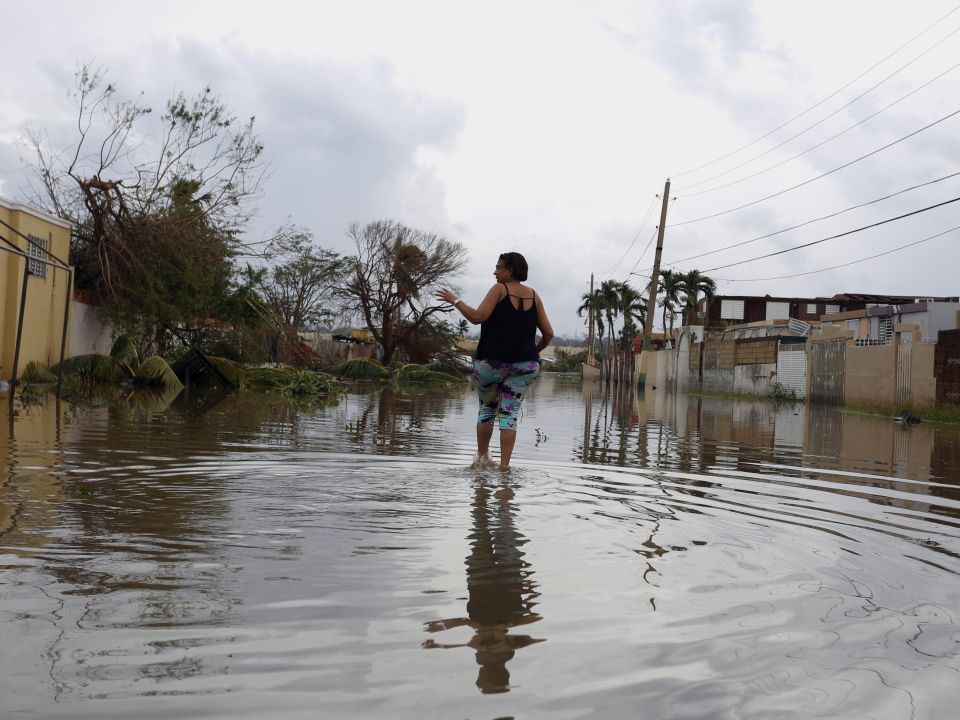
(509, 334)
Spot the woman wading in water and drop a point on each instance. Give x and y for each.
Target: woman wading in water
(508, 355)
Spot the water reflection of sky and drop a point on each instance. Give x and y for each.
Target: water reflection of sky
(691, 556)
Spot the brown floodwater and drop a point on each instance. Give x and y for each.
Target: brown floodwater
(655, 557)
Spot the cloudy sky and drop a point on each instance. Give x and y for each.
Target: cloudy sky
(550, 127)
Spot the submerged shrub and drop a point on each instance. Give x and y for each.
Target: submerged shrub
(311, 382)
(233, 371)
(92, 368)
(157, 372)
(360, 369)
(269, 378)
(124, 350)
(421, 374)
(37, 374)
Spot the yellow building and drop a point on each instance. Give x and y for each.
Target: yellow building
(47, 285)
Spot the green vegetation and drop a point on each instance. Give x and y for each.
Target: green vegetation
(310, 383)
(397, 373)
(927, 413)
(778, 396)
(37, 374)
(565, 362)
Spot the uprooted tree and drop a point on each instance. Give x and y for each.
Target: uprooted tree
(157, 207)
(394, 274)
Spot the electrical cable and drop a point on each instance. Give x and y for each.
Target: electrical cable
(649, 242)
(842, 265)
(834, 237)
(827, 117)
(819, 144)
(817, 177)
(821, 102)
(814, 220)
(643, 222)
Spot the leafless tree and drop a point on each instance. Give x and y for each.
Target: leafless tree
(394, 273)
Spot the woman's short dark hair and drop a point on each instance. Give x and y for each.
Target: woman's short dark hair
(517, 264)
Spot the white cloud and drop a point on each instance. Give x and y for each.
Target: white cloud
(543, 127)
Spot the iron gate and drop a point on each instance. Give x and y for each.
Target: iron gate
(904, 352)
(827, 371)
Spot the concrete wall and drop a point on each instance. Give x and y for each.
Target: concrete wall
(88, 333)
(652, 361)
(755, 379)
(750, 366)
(939, 316)
(871, 375)
(719, 380)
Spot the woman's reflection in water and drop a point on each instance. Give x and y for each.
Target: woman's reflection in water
(502, 593)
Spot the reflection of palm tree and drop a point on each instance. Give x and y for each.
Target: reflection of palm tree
(502, 593)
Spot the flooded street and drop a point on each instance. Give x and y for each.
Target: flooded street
(647, 557)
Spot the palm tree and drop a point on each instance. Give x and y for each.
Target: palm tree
(595, 303)
(692, 284)
(609, 292)
(633, 307)
(463, 327)
(670, 296)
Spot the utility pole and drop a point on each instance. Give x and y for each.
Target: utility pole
(654, 287)
(590, 334)
(588, 371)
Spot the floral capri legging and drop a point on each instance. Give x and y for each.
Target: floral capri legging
(501, 386)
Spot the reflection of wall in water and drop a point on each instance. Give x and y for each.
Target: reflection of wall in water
(788, 425)
(28, 488)
(945, 467)
(872, 444)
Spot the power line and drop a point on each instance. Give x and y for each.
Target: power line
(649, 242)
(814, 220)
(818, 177)
(819, 144)
(833, 237)
(846, 264)
(643, 222)
(821, 102)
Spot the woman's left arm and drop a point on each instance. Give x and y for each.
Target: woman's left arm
(546, 329)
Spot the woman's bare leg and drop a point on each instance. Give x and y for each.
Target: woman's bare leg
(484, 433)
(508, 439)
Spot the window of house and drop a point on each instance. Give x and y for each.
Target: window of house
(853, 325)
(778, 310)
(811, 308)
(885, 330)
(731, 309)
(37, 252)
(831, 309)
